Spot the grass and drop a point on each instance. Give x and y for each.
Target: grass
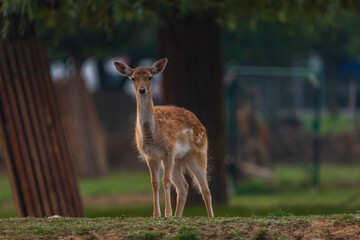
(116, 183)
(282, 209)
(147, 234)
(332, 124)
(302, 203)
(290, 194)
(292, 179)
(5, 193)
(262, 234)
(186, 233)
(7, 208)
(271, 227)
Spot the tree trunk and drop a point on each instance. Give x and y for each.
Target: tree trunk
(193, 80)
(32, 137)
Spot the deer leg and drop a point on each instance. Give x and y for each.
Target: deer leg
(199, 175)
(205, 191)
(154, 167)
(168, 165)
(182, 188)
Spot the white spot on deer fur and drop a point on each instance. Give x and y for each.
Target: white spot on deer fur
(203, 150)
(181, 149)
(189, 132)
(199, 138)
(160, 119)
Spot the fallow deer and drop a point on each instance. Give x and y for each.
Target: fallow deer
(170, 137)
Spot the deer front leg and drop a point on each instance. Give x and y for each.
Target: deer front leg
(168, 165)
(154, 167)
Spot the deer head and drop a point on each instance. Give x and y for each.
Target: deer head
(141, 76)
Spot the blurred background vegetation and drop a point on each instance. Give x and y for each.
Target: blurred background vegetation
(288, 76)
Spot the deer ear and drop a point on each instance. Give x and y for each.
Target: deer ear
(159, 66)
(123, 69)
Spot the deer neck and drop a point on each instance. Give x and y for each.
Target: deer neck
(145, 114)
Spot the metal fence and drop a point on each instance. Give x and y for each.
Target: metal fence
(267, 112)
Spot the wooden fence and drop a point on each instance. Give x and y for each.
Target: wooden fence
(32, 136)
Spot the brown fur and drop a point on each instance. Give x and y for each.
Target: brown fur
(174, 123)
(170, 137)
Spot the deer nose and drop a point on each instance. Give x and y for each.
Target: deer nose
(142, 90)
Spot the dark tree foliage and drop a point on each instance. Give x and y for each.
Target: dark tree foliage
(66, 15)
(84, 28)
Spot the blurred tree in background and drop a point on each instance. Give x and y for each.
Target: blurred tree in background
(189, 33)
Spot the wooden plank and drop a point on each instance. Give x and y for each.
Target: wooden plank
(76, 204)
(32, 160)
(49, 160)
(26, 112)
(10, 162)
(32, 135)
(56, 165)
(61, 151)
(36, 143)
(12, 120)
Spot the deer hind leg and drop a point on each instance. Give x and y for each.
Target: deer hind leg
(182, 188)
(197, 167)
(154, 167)
(168, 165)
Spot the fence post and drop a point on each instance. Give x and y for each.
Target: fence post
(316, 67)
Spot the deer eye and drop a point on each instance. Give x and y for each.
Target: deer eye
(150, 77)
(133, 79)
